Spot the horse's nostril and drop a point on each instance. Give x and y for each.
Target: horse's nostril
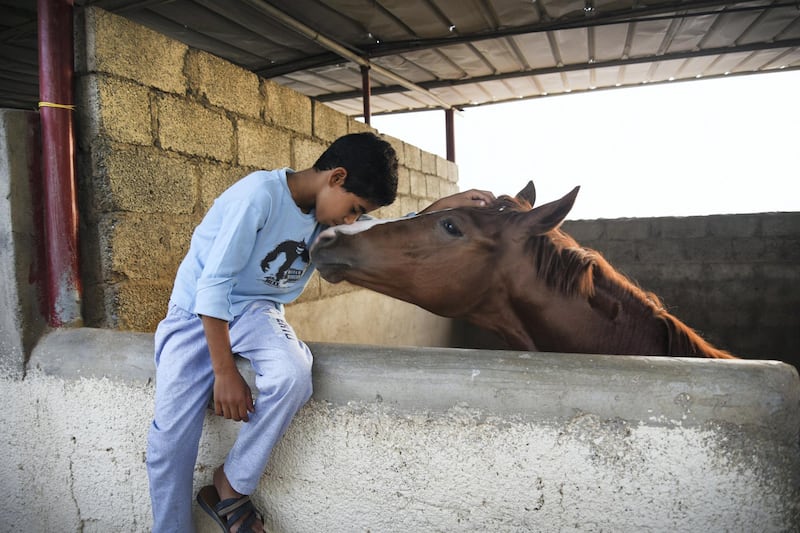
(324, 239)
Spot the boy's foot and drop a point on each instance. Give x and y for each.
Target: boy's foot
(234, 512)
(228, 513)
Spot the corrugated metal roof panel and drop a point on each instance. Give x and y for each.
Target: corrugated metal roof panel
(454, 52)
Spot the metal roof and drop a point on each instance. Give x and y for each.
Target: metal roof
(426, 54)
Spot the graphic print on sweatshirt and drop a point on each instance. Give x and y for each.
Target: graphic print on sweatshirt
(285, 264)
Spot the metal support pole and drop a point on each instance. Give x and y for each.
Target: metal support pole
(450, 135)
(63, 286)
(366, 92)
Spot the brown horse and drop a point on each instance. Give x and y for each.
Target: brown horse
(510, 269)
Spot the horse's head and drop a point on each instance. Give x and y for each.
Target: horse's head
(444, 261)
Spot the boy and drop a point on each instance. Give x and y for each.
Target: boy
(247, 258)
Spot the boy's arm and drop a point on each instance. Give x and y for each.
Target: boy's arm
(232, 396)
(472, 197)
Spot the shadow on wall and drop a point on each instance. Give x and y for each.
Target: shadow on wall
(466, 335)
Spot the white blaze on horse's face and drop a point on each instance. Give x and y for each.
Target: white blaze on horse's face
(336, 260)
(351, 229)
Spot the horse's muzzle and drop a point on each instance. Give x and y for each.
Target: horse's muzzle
(325, 257)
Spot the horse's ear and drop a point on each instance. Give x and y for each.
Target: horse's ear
(549, 216)
(527, 194)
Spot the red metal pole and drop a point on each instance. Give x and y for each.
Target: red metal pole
(63, 286)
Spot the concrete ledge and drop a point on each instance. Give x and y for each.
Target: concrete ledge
(428, 439)
(761, 395)
(95, 353)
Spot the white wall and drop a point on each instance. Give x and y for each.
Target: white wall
(427, 440)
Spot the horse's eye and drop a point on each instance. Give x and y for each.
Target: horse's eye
(451, 228)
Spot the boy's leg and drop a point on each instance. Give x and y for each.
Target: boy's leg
(184, 382)
(282, 365)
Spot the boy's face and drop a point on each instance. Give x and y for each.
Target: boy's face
(336, 206)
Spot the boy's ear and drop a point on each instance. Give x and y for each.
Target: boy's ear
(338, 176)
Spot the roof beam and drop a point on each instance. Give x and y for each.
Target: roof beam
(752, 47)
(340, 50)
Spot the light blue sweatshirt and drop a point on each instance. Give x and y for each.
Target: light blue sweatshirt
(252, 245)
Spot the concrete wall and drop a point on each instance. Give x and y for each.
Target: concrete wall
(398, 440)
(163, 129)
(21, 321)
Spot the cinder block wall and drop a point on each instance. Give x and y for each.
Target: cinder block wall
(162, 130)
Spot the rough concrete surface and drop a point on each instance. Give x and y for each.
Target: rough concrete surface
(426, 440)
(21, 321)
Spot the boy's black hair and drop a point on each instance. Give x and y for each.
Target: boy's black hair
(371, 165)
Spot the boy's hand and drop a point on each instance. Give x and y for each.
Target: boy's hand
(232, 396)
(470, 198)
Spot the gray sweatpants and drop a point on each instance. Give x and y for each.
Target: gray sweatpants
(184, 384)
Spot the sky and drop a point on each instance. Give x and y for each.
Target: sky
(716, 146)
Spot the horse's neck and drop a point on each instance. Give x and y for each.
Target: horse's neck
(618, 318)
(626, 318)
(667, 334)
(613, 320)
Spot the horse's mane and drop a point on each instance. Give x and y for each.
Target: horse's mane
(574, 270)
